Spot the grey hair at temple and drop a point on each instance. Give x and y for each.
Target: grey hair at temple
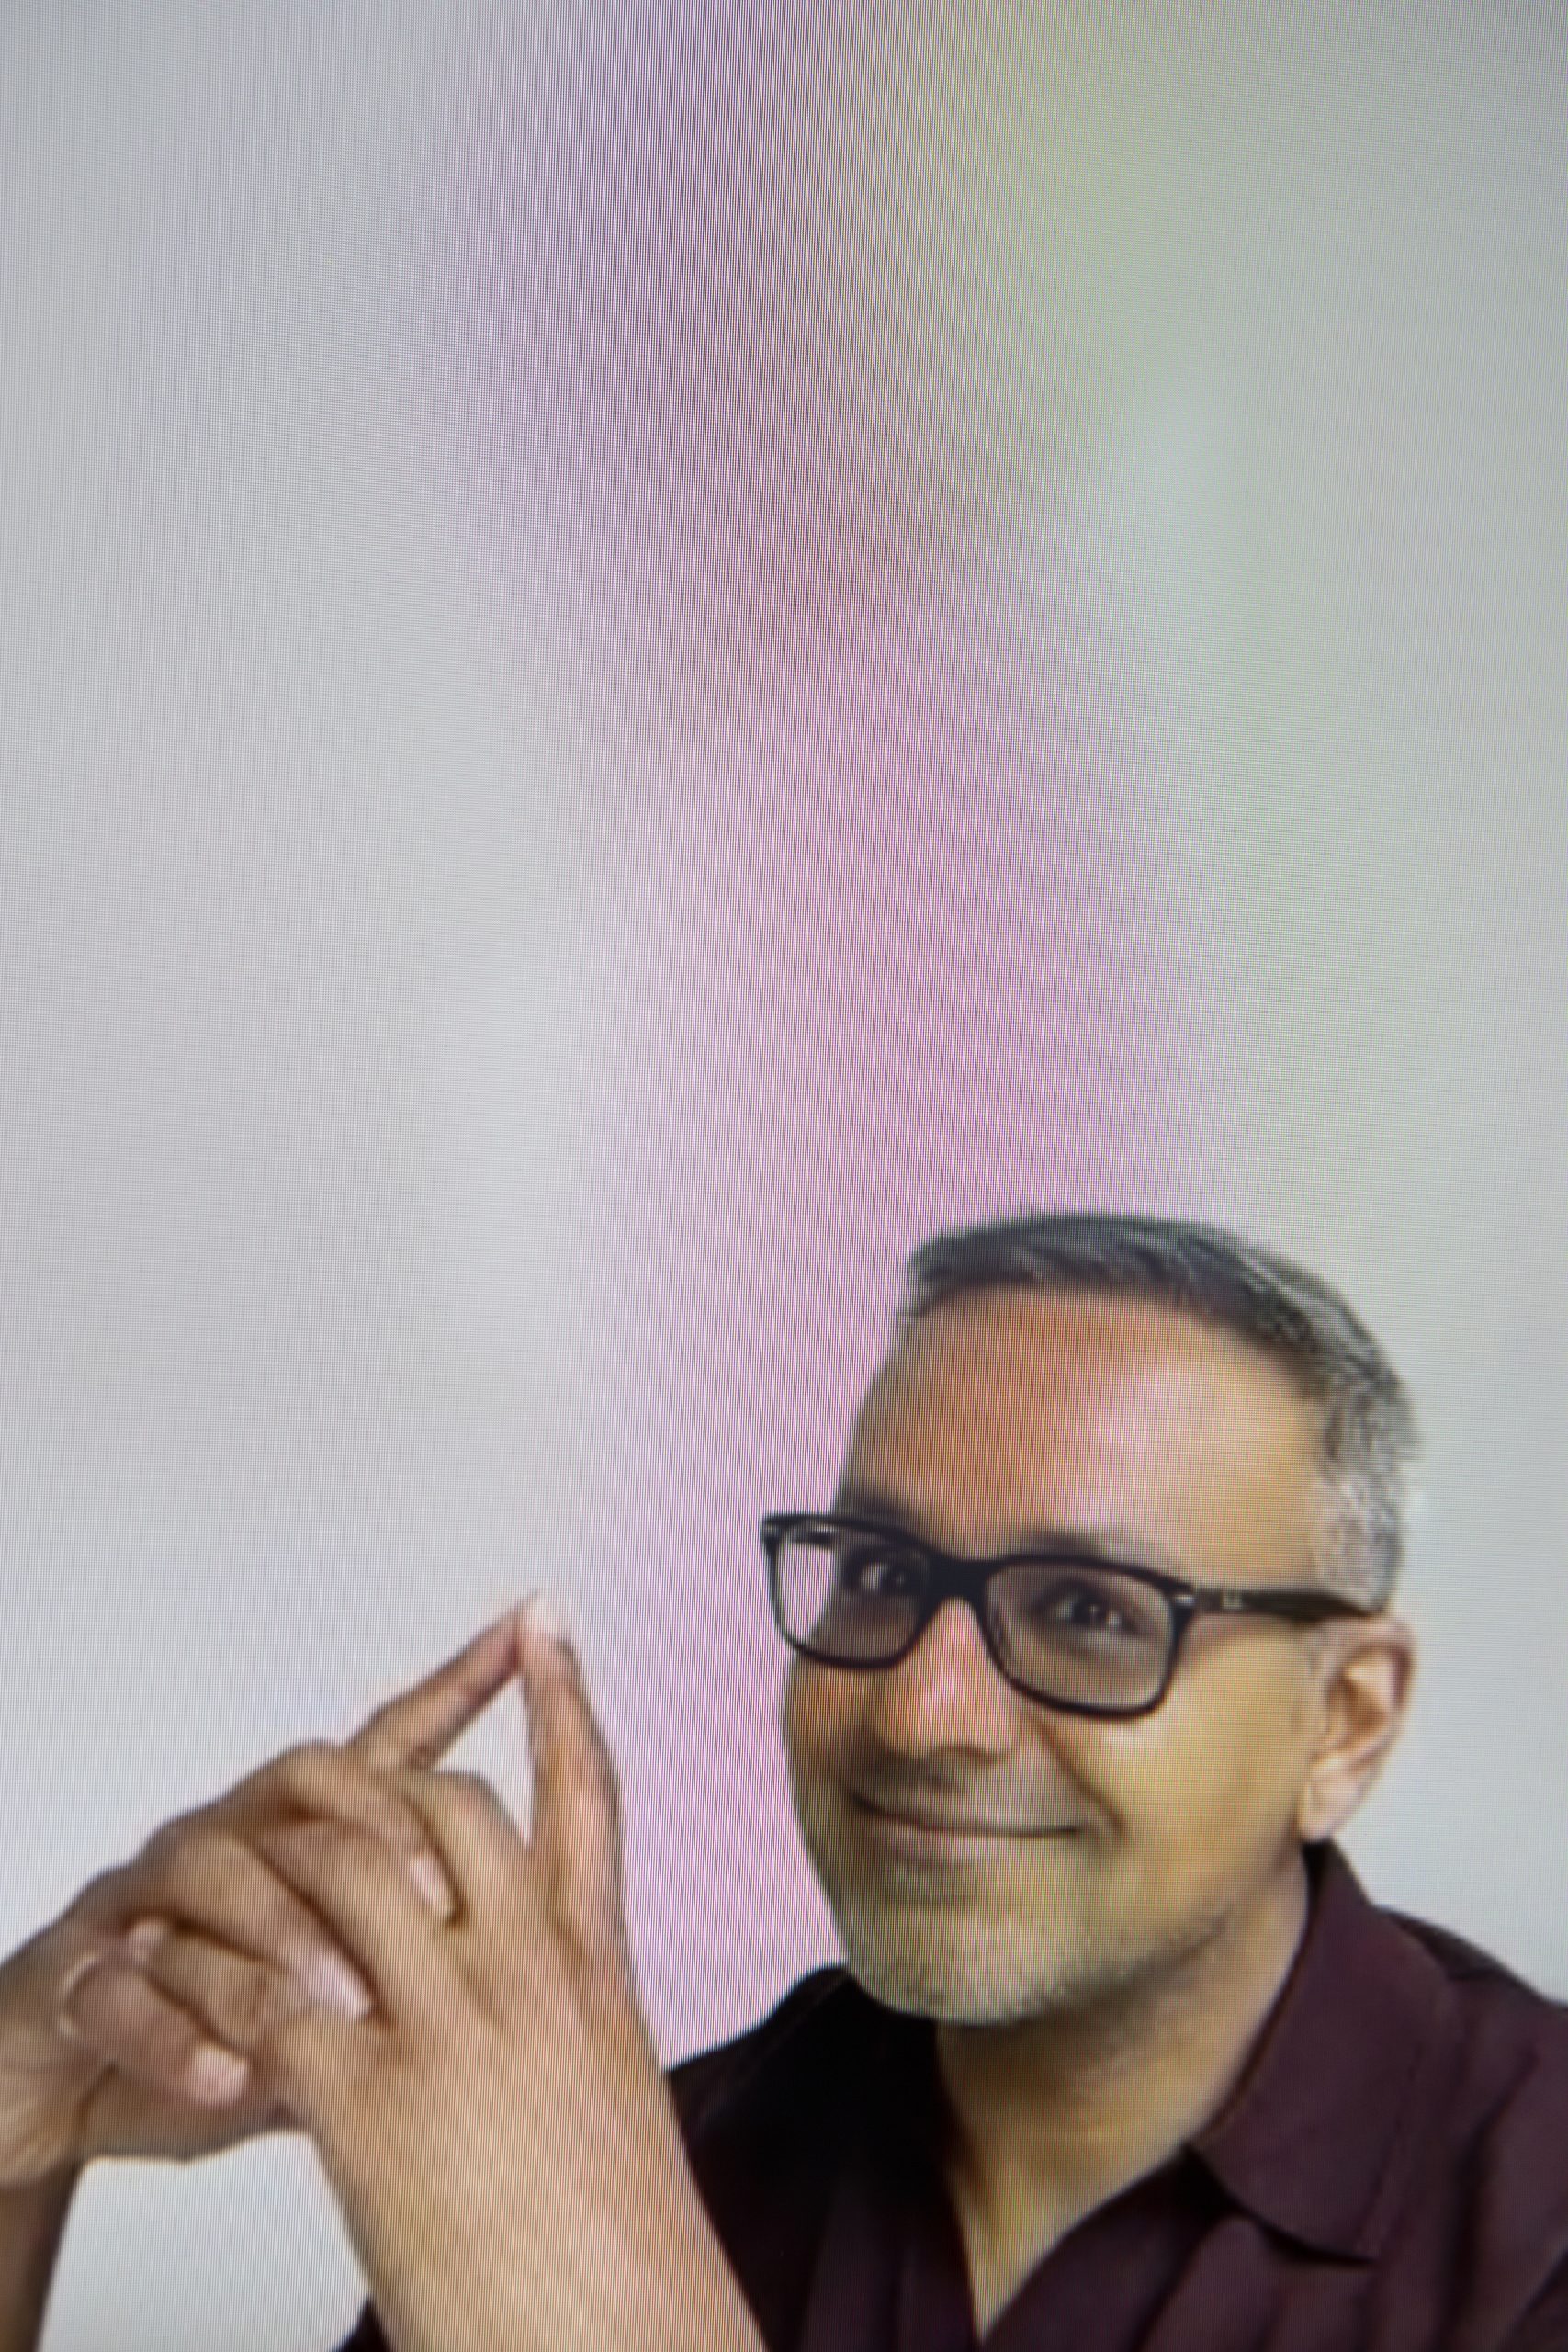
(1368, 1440)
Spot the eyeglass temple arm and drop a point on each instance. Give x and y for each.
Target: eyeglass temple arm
(1300, 1608)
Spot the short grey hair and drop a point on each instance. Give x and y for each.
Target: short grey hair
(1368, 1437)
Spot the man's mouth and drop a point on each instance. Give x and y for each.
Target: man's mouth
(948, 1837)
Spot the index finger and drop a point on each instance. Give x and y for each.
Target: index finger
(419, 1725)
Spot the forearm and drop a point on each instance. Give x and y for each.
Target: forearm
(32, 2221)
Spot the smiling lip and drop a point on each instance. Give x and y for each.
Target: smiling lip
(920, 1833)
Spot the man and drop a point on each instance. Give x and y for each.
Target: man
(1092, 1657)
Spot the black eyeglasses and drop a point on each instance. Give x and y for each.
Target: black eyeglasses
(1083, 1634)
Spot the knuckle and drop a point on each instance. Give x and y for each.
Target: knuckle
(161, 2036)
(330, 1783)
(237, 1999)
(147, 2031)
(344, 1787)
(251, 2005)
(105, 1899)
(305, 1766)
(168, 1837)
(380, 1812)
(191, 1863)
(396, 1820)
(336, 1837)
(473, 1793)
(324, 1842)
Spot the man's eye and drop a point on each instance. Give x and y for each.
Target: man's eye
(1079, 1608)
(876, 1575)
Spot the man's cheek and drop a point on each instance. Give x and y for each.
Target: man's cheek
(816, 1718)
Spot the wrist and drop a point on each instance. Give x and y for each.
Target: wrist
(701, 2308)
(30, 2203)
(33, 2223)
(681, 2296)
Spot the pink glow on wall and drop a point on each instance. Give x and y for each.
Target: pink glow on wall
(908, 958)
(756, 319)
(910, 933)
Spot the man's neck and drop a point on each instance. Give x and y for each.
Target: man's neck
(1053, 2117)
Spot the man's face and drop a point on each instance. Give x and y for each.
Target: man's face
(1116, 1848)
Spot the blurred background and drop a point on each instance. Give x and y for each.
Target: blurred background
(654, 650)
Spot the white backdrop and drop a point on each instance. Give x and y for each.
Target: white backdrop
(443, 1154)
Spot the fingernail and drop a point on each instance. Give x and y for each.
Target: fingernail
(142, 1940)
(336, 1986)
(431, 1881)
(215, 2077)
(544, 1617)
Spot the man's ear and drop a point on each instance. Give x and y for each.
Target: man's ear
(1365, 1671)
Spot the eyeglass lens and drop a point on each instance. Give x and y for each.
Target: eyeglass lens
(1068, 1630)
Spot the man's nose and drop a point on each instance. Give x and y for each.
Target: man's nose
(946, 1694)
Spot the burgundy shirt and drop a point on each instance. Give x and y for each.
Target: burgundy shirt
(1390, 2175)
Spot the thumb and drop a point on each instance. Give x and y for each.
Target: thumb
(575, 1831)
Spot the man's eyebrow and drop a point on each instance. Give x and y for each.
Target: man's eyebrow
(1084, 1543)
(871, 1503)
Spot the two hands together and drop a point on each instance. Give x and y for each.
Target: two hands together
(358, 1946)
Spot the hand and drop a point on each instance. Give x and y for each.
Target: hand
(117, 2067)
(498, 2133)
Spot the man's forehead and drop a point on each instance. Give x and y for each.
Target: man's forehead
(1006, 1407)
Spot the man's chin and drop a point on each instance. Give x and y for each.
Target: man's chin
(976, 1979)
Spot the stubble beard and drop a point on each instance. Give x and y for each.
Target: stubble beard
(968, 1965)
(972, 1954)
(918, 1944)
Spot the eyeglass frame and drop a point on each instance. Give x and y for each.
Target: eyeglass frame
(953, 1577)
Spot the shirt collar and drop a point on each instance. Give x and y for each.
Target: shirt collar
(1317, 2141)
(1318, 2138)
(1334, 2106)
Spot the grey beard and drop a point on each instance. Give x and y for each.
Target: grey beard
(982, 1978)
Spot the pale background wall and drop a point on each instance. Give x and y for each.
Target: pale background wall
(647, 658)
